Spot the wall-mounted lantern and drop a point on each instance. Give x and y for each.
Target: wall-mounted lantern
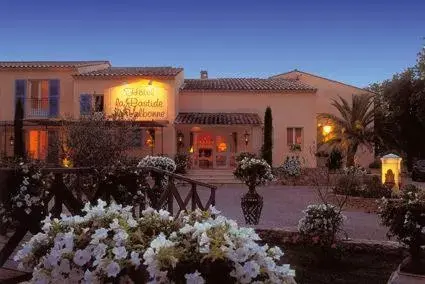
(246, 137)
(391, 170)
(180, 138)
(11, 140)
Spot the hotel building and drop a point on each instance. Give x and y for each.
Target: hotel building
(211, 119)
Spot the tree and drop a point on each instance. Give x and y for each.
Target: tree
(267, 149)
(18, 125)
(354, 125)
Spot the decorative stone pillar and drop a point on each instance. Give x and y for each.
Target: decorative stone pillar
(391, 170)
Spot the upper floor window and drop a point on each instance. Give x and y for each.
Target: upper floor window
(39, 94)
(294, 135)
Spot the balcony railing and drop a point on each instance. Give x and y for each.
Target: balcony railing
(41, 108)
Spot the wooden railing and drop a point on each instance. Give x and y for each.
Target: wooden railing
(61, 195)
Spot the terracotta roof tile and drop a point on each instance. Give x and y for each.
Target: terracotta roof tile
(218, 118)
(133, 71)
(49, 64)
(245, 84)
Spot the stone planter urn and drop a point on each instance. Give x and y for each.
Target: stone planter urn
(252, 205)
(399, 277)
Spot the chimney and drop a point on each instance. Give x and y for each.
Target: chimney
(204, 74)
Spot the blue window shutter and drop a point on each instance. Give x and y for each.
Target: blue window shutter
(54, 95)
(20, 92)
(85, 104)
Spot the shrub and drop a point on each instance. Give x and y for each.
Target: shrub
(321, 224)
(182, 162)
(376, 164)
(267, 149)
(291, 167)
(159, 162)
(335, 160)
(108, 245)
(405, 219)
(253, 172)
(373, 188)
(243, 155)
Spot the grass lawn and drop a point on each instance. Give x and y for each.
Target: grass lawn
(354, 267)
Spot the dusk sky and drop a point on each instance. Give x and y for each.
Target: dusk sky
(357, 42)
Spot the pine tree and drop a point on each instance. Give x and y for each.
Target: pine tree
(18, 125)
(268, 141)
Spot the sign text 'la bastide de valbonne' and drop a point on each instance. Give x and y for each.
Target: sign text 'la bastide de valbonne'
(143, 102)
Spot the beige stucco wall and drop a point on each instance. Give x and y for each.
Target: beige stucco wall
(288, 109)
(7, 88)
(165, 139)
(328, 90)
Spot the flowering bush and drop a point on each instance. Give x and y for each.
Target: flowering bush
(321, 224)
(182, 161)
(253, 172)
(108, 244)
(25, 200)
(405, 218)
(160, 162)
(291, 167)
(355, 171)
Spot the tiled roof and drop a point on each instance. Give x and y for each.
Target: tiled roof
(49, 64)
(245, 84)
(133, 71)
(219, 118)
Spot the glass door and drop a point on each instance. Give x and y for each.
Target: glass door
(221, 155)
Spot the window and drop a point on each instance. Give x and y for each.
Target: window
(39, 94)
(294, 136)
(98, 102)
(37, 146)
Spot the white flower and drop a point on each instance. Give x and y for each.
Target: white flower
(161, 241)
(135, 258)
(132, 223)
(81, 257)
(89, 277)
(120, 252)
(99, 234)
(120, 237)
(251, 268)
(64, 266)
(113, 269)
(114, 225)
(204, 243)
(194, 278)
(19, 204)
(99, 251)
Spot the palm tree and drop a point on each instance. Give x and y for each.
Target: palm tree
(353, 126)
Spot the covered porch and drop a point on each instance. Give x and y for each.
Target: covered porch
(213, 140)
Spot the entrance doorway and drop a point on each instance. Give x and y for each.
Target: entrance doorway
(214, 150)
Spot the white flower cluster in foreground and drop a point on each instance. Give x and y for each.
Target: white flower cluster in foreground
(160, 162)
(108, 244)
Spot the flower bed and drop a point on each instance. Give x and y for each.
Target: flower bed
(109, 244)
(363, 261)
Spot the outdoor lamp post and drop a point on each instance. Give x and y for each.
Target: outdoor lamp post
(246, 137)
(180, 137)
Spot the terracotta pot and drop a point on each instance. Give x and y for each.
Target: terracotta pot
(252, 205)
(398, 277)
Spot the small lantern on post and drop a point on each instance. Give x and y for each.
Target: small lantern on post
(11, 140)
(180, 138)
(246, 137)
(391, 171)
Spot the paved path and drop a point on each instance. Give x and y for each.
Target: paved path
(283, 206)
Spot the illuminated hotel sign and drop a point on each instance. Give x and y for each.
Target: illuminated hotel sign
(141, 101)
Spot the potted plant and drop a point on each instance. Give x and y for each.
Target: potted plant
(405, 218)
(253, 172)
(108, 244)
(322, 157)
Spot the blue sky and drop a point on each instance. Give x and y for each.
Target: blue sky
(357, 42)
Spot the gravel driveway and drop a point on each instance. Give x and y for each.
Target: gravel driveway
(283, 207)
